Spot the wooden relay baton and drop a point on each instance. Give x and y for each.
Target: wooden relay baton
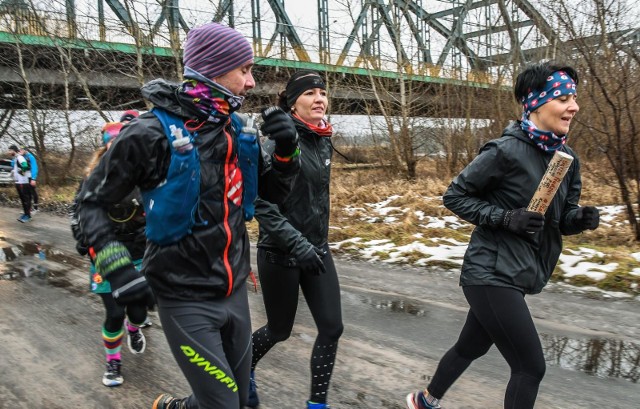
(550, 182)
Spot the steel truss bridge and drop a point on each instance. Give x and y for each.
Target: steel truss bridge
(115, 45)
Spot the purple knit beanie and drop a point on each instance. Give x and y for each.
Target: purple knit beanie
(213, 50)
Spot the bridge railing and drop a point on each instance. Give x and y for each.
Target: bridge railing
(85, 27)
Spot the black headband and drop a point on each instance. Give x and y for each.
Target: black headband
(300, 82)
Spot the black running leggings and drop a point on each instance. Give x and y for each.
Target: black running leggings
(500, 316)
(115, 313)
(24, 191)
(280, 289)
(211, 341)
(34, 194)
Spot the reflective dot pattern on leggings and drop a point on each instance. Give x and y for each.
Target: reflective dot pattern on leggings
(322, 359)
(262, 343)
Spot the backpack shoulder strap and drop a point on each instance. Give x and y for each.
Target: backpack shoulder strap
(172, 124)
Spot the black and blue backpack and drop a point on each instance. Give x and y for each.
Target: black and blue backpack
(172, 207)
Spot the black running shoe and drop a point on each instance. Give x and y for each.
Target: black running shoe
(136, 342)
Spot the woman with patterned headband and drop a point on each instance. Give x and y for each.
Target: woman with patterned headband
(512, 252)
(127, 218)
(293, 249)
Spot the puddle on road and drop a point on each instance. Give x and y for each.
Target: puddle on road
(395, 306)
(604, 358)
(30, 261)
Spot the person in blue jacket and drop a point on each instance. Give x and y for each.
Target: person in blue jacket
(33, 176)
(22, 175)
(512, 251)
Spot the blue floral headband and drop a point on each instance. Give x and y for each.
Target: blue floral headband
(559, 83)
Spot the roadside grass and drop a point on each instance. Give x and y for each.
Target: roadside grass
(354, 200)
(375, 213)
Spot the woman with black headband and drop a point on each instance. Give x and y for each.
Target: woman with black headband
(293, 250)
(512, 252)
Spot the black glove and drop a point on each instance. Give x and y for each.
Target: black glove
(588, 217)
(521, 221)
(82, 248)
(310, 261)
(128, 286)
(279, 127)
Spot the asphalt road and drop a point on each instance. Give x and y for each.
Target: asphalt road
(398, 323)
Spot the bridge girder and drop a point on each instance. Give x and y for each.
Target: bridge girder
(419, 35)
(117, 86)
(462, 39)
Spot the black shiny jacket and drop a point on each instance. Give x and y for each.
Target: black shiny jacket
(504, 176)
(128, 223)
(303, 218)
(211, 262)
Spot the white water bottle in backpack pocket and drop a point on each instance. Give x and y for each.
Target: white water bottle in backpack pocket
(181, 143)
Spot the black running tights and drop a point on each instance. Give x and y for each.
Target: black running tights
(115, 313)
(280, 289)
(500, 316)
(24, 191)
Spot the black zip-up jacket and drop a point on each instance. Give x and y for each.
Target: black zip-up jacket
(213, 261)
(504, 176)
(288, 228)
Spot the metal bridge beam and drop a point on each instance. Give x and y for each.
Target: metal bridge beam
(450, 24)
(289, 31)
(428, 18)
(323, 32)
(225, 8)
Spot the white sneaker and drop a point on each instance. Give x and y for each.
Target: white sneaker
(112, 377)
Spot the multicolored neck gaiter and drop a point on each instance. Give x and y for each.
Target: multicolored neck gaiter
(210, 98)
(558, 84)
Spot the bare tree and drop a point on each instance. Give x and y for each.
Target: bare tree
(599, 42)
(5, 120)
(450, 97)
(72, 73)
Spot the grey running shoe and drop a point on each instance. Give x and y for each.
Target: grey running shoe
(418, 400)
(147, 323)
(113, 377)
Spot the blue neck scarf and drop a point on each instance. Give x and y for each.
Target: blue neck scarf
(558, 84)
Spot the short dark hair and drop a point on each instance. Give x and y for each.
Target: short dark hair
(534, 76)
(14, 148)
